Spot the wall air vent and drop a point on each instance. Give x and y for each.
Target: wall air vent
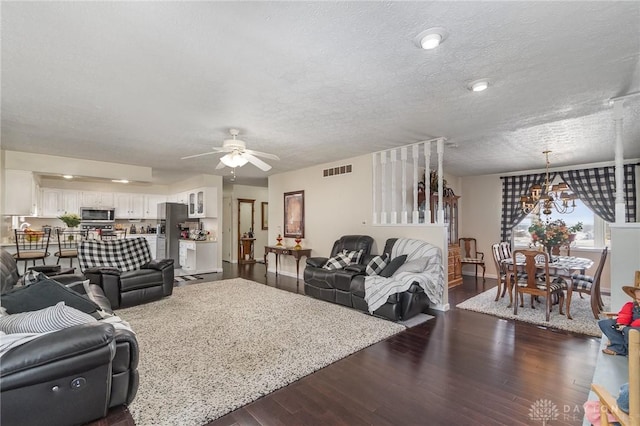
(334, 171)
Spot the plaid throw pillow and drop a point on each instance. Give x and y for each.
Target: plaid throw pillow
(339, 261)
(354, 256)
(376, 265)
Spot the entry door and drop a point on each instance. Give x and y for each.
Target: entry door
(227, 224)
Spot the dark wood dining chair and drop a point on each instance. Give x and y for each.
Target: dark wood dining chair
(587, 284)
(469, 254)
(501, 251)
(68, 241)
(32, 246)
(535, 280)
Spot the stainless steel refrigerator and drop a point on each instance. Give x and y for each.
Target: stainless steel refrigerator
(170, 218)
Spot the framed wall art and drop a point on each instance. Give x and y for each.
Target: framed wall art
(294, 214)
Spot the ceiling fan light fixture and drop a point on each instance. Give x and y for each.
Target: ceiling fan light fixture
(233, 160)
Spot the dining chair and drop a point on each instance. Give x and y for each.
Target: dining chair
(68, 241)
(535, 280)
(32, 246)
(587, 284)
(501, 251)
(470, 255)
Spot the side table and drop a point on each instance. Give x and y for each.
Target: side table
(285, 251)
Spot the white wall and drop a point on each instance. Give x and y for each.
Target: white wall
(335, 206)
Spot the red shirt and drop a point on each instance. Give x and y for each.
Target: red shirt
(629, 315)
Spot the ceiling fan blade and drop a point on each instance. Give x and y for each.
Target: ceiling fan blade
(199, 155)
(256, 162)
(220, 165)
(262, 154)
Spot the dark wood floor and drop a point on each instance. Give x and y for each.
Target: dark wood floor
(461, 368)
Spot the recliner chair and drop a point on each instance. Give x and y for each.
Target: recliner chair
(70, 376)
(125, 270)
(333, 285)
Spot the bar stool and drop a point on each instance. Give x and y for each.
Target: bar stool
(68, 241)
(32, 246)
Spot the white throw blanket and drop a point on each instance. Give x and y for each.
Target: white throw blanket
(377, 289)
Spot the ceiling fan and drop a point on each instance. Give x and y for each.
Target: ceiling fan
(237, 155)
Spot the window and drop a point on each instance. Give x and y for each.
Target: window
(595, 232)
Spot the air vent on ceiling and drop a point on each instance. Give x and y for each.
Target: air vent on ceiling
(334, 171)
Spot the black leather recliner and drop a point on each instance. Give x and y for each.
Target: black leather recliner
(333, 285)
(71, 376)
(125, 270)
(399, 306)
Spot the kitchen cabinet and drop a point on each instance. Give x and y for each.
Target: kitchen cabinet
(96, 199)
(129, 206)
(199, 257)
(55, 202)
(151, 205)
(203, 202)
(21, 193)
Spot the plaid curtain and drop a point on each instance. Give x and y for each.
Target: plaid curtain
(513, 187)
(596, 189)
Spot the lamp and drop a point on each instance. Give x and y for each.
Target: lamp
(558, 197)
(233, 159)
(431, 38)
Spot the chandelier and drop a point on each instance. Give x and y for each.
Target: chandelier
(543, 198)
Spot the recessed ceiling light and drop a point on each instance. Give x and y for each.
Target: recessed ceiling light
(67, 176)
(431, 38)
(478, 85)
(119, 180)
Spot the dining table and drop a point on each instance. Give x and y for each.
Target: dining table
(559, 266)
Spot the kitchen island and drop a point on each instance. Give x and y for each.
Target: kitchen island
(198, 257)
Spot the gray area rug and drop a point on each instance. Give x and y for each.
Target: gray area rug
(583, 321)
(215, 346)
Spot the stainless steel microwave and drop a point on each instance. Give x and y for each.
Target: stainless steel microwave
(97, 214)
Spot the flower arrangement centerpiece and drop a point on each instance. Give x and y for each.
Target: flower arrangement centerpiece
(70, 219)
(549, 234)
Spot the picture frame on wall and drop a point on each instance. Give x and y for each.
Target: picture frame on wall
(294, 214)
(265, 215)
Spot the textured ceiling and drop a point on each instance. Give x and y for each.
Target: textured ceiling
(146, 83)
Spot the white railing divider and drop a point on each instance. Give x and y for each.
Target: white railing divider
(415, 151)
(376, 185)
(427, 182)
(394, 186)
(440, 147)
(383, 187)
(403, 158)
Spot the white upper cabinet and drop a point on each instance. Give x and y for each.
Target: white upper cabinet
(203, 202)
(151, 202)
(129, 206)
(97, 199)
(21, 193)
(56, 202)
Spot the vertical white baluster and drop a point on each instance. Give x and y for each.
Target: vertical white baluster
(376, 188)
(394, 186)
(403, 158)
(440, 146)
(383, 187)
(415, 151)
(427, 182)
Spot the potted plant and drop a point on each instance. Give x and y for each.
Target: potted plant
(70, 219)
(573, 229)
(549, 234)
